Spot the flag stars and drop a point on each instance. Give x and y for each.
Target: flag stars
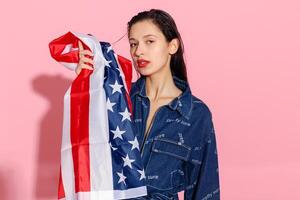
(118, 133)
(142, 172)
(109, 105)
(128, 161)
(116, 87)
(125, 115)
(109, 48)
(121, 73)
(135, 144)
(122, 177)
(113, 148)
(106, 63)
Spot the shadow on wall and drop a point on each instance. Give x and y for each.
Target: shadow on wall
(10, 180)
(3, 186)
(52, 88)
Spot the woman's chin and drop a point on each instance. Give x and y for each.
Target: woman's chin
(144, 71)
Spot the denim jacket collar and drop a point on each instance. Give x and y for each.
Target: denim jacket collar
(182, 103)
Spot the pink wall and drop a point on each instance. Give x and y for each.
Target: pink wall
(243, 61)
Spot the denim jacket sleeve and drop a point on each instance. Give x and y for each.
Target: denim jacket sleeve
(205, 186)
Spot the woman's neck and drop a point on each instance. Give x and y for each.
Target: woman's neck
(161, 85)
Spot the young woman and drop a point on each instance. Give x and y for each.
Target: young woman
(174, 128)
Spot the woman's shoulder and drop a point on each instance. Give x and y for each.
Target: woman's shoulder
(200, 109)
(201, 118)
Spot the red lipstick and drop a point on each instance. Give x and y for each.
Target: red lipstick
(142, 63)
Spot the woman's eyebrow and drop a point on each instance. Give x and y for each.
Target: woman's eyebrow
(148, 35)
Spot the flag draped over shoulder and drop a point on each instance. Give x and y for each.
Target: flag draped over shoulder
(100, 156)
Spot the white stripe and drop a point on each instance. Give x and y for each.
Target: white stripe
(71, 66)
(130, 193)
(67, 169)
(68, 48)
(100, 152)
(106, 195)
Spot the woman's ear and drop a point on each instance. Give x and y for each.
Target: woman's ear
(173, 46)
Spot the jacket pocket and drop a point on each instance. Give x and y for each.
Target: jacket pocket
(164, 168)
(171, 148)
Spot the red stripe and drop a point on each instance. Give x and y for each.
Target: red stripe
(80, 130)
(127, 70)
(61, 191)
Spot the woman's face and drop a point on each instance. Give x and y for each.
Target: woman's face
(148, 43)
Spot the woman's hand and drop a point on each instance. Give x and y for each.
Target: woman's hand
(83, 60)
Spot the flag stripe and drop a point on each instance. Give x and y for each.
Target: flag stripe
(106, 195)
(61, 191)
(125, 67)
(67, 170)
(80, 130)
(100, 163)
(71, 66)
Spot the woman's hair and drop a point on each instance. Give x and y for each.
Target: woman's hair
(167, 25)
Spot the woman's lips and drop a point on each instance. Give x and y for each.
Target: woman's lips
(142, 63)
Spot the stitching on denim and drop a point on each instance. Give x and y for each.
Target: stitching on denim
(171, 154)
(166, 189)
(181, 173)
(173, 142)
(186, 157)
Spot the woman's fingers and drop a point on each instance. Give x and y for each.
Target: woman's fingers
(85, 52)
(82, 51)
(87, 60)
(80, 46)
(82, 66)
(85, 66)
(83, 60)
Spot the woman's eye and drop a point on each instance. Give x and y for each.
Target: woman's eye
(132, 44)
(149, 41)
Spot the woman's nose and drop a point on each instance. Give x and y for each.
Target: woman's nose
(138, 50)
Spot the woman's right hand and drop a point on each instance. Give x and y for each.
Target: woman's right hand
(83, 60)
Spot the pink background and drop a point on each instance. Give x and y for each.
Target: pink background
(242, 59)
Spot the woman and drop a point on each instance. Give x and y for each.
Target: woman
(174, 128)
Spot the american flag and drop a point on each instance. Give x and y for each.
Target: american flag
(100, 156)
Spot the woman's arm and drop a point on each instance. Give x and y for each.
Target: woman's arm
(206, 186)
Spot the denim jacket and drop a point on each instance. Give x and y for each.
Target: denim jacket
(179, 152)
